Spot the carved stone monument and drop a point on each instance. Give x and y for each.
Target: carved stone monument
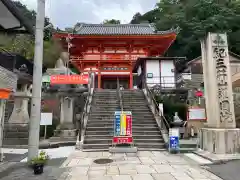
(220, 134)
(66, 130)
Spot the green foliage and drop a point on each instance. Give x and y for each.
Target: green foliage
(20, 44)
(195, 18)
(41, 159)
(24, 45)
(112, 21)
(170, 106)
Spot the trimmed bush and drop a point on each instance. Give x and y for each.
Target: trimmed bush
(171, 105)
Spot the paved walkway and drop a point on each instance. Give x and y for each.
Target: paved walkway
(141, 166)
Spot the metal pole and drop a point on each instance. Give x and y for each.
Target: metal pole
(2, 119)
(34, 124)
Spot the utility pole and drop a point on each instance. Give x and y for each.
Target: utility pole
(34, 124)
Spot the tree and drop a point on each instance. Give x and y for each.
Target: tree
(195, 18)
(136, 18)
(112, 21)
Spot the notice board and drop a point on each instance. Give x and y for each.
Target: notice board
(197, 114)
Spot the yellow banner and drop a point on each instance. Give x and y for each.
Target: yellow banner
(123, 124)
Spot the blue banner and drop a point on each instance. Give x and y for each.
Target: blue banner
(174, 143)
(117, 123)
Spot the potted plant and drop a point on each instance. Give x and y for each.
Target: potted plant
(39, 162)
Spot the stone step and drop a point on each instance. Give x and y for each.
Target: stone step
(110, 128)
(16, 128)
(105, 105)
(135, 132)
(111, 118)
(103, 96)
(132, 101)
(15, 141)
(139, 106)
(109, 141)
(156, 136)
(9, 134)
(136, 124)
(145, 114)
(147, 146)
(109, 112)
(111, 125)
(96, 146)
(150, 145)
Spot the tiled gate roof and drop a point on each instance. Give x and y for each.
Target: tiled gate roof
(119, 29)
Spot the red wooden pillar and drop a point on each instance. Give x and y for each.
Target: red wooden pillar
(100, 49)
(131, 80)
(99, 76)
(130, 49)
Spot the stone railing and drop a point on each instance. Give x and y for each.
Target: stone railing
(162, 122)
(85, 113)
(184, 76)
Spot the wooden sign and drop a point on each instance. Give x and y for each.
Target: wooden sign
(69, 79)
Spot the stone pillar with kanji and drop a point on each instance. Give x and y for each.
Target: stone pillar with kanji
(220, 135)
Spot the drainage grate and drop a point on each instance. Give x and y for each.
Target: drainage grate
(103, 161)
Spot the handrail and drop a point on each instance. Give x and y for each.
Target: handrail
(86, 110)
(164, 123)
(119, 95)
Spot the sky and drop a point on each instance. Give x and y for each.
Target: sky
(66, 13)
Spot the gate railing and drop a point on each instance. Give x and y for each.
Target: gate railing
(119, 95)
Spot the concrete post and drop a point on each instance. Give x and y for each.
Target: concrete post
(33, 142)
(2, 110)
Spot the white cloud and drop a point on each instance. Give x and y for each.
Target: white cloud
(66, 13)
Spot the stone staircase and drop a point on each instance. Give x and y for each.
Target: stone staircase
(146, 133)
(15, 136)
(99, 130)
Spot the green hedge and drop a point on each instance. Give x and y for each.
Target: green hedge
(171, 105)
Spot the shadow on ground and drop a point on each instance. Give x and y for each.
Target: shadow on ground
(228, 171)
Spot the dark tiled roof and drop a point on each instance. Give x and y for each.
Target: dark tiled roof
(119, 29)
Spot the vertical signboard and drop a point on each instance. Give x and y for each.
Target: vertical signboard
(174, 140)
(129, 125)
(123, 128)
(117, 127)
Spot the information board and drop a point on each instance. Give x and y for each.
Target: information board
(123, 127)
(46, 119)
(196, 114)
